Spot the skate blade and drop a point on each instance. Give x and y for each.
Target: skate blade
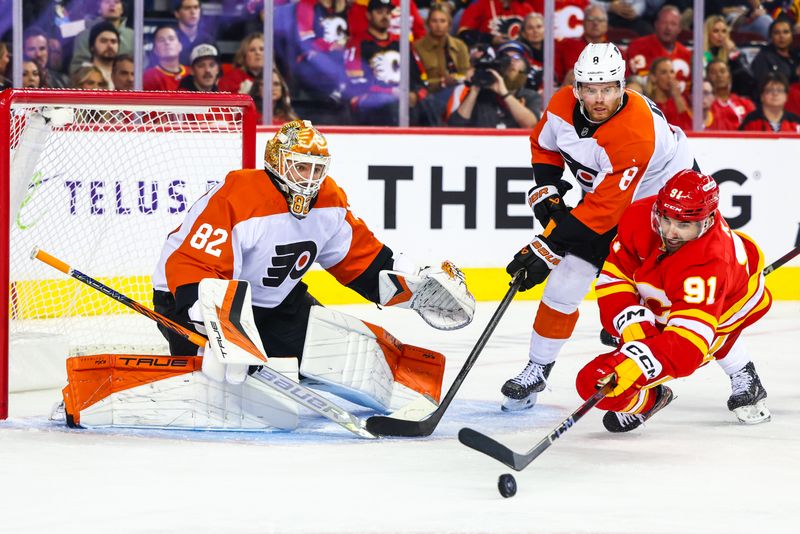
(517, 405)
(753, 414)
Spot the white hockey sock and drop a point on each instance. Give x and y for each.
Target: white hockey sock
(736, 358)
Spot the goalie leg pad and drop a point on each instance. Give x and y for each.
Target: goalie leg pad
(170, 392)
(365, 364)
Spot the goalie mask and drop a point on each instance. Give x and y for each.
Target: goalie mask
(297, 156)
(685, 208)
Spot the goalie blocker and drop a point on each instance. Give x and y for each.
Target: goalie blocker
(343, 355)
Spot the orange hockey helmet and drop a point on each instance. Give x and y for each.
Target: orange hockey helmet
(298, 158)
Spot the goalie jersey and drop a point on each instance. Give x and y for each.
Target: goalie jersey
(702, 296)
(242, 229)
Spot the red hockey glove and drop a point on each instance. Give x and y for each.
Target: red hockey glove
(633, 363)
(537, 259)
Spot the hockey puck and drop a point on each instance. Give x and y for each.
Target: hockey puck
(507, 485)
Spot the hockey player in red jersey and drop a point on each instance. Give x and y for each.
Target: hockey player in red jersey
(620, 148)
(678, 288)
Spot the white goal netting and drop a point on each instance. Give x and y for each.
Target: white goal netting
(100, 186)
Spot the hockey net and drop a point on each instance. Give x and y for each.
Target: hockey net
(98, 179)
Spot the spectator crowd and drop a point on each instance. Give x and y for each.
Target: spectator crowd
(473, 63)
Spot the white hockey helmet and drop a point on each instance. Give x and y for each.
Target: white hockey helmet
(298, 157)
(600, 63)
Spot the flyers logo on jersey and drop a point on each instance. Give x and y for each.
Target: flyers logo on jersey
(292, 260)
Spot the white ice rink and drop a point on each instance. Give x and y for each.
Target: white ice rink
(691, 469)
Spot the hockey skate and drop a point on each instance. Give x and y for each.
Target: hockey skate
(747, 396)
(521, 391)
(625, 422)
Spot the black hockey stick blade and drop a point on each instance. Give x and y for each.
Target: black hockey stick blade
(516, 461)
(389, 426)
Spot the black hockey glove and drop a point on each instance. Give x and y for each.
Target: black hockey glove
(537, 259)
(547, 204)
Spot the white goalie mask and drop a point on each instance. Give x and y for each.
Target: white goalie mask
(298, 156)
(599, 63)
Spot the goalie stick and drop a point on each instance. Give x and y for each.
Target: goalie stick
(271, 378)
(610, 341)
(490, 447)
(393, 426)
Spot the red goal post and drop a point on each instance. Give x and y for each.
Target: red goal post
(99, 178)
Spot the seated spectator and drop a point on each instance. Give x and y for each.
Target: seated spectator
(55, 54)
(663, 43)
(31, 76)
(320, 34)
(204, 69)
(747, 16)
(771, 115)
(35, 48)
(123, 73)
(493, 21)
(444, 57)
(104, 46)
(595, 30)
(532, 41)
(112, 11)
(89, 77)
(168, 71)
(282, 110)
(497, 97)
(357, 19)
(373, 69)
(191, 27)
(727, 104)
(663, 89)
(627, 14)
(718, 45)
(713, 119)
(5, 59)
(248, 64)
(787, 9)
(778, 55)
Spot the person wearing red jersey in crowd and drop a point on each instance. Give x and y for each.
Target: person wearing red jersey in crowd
(620, 148)
(595, 30)
(268, 226)
(726, 102)
(168, 72)
(358, 24)
(248, 63)
(663, 43)
(678, 288)
(771, 115)
(663, 89)
(493, 21)
(373, 72)
(715, 118)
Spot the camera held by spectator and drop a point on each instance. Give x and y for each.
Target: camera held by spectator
(484, 62)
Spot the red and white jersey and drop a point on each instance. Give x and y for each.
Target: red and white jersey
(732, 110)
(644, 50)
(709, 289)
(630, 156)
(242, 229)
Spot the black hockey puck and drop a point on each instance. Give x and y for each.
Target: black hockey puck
(507, 485)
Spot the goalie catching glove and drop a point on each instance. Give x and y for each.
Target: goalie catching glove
(439, 295)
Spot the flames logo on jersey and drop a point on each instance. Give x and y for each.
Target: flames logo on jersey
(385, 67)
(506, 25)
(334, 30)
(292, 260)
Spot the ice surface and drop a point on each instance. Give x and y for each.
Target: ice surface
(692, 468)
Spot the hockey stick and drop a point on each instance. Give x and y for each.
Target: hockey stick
(391, 426)
(271, 378)
(610, 341)
(483, 443)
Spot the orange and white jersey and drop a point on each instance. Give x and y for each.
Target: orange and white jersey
(242, 229)
(701, 295)
(627, 157)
